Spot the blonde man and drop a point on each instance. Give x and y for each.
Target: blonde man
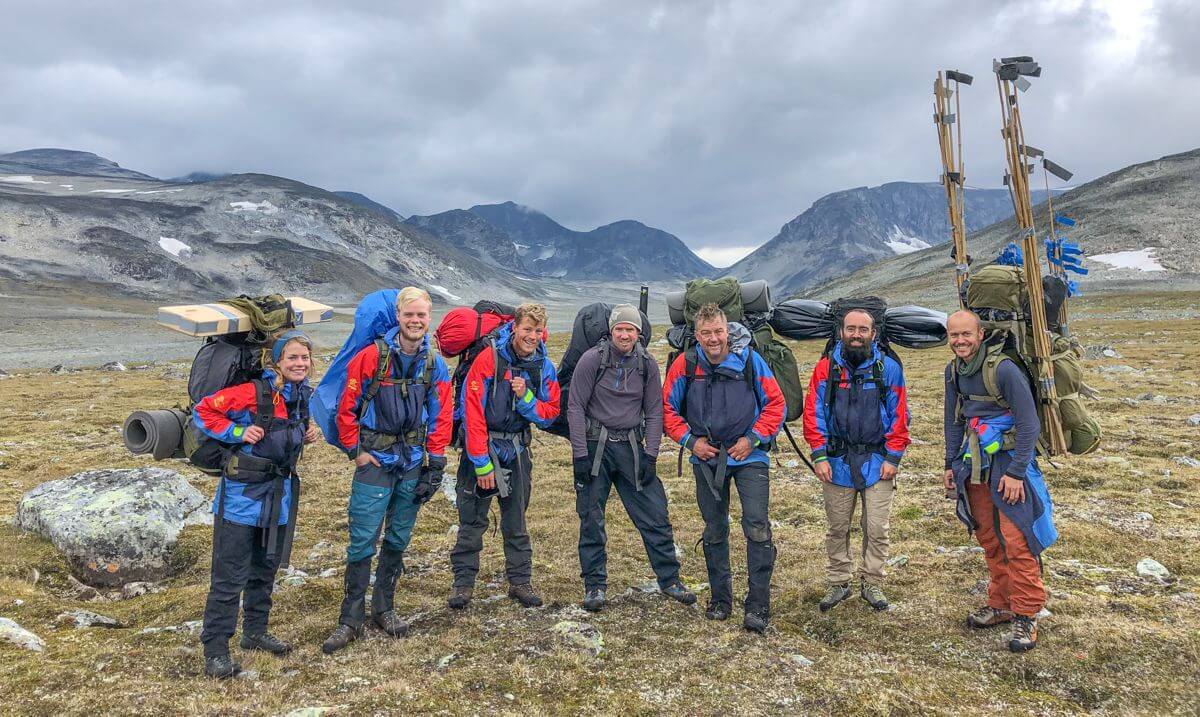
(394, 421)
(508, 388)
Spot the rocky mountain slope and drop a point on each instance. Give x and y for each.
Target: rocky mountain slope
(845, 230)
(623, 250)
(241, 233)
(65, 162)
(1139, 227)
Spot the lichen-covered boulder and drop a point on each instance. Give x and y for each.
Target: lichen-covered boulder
(114, 525)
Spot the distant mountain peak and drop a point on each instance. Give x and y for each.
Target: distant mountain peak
(55, 160)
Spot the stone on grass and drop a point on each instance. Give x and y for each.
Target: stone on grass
(113, 366)
(582, 635)
(800, 660)
(898, 561)
(310, 711)
(1151, 568)
(13, 633)
(115, 526)
(1143, 516)
(1186, 461)
(445, 661)
(87, 618)
(1194, 419)
(138, 589)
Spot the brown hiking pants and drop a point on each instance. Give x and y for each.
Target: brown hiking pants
(1016, 576)
(839, 510)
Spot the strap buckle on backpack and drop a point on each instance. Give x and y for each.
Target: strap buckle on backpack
(838, 447)
(371, 440)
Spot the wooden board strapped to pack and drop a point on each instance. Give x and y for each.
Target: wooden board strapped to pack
(218, 319)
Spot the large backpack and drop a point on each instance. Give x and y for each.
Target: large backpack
(465, 332)
(997, 294)
(728, 294)
(589, 329)
(229, 360)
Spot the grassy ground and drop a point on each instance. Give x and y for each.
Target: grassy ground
(1115, 642)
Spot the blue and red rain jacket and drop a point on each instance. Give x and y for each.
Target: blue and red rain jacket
(841, 432)
(225, 415)
(488, 403)
(720, 405)
(393, 412)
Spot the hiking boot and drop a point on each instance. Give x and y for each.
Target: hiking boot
(1024, 634)
(525, 595)
(717, 611)
(391, 623)
(222, 667)
(988, 616)
(874, 596)
(266, 642)
(836, 594)
(756, 621)
(461, 597)
(341, 636)
(593, 600)
(677, 592)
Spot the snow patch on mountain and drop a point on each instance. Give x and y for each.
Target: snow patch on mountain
(110, 191)
(22, 179)
(264, 206)
(1139, 259)
(445, 292)
(902, 243)
(174, 247)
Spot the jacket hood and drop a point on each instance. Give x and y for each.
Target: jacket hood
(392, 337)
(289, 388)
(504, 338)
(739, 350)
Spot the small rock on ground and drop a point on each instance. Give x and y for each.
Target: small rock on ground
(113, 366)
(1186, 461)
(13, 633)
(582, 635)
(1194, 419)
(87, 618)
(1151, 568)
(800, 660)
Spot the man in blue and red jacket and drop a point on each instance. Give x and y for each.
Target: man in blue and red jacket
(721, 401)
(856, 422)
(394, 421)
(510, 386)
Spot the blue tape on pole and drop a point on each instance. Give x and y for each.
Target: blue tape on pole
(1065, 221)
(1011, 256)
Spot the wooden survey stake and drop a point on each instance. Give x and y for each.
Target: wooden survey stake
(218, 319)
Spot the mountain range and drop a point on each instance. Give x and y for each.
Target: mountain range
(70, 218)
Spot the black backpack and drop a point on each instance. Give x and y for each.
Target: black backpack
(229, 360)
(589, 329)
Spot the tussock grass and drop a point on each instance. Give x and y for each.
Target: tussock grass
(1133, 649)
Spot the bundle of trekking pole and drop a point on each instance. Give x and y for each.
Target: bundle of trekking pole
(1023, 311)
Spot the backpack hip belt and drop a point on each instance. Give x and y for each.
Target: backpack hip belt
(837, 447)
(518, 440)
(371, 440)
(604, 437)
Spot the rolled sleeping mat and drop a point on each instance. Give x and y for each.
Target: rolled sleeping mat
(159, 433)
(915, 327)
(802, 319)
(756, 299)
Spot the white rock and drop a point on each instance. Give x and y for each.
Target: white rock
(137, 589)
(13, 633)
(249, 675)
(449, 490)
(1043, 613)
(1143, 516)
(1194, 419)
(446, 660)
(113, 366)
(310, 711)
(582, 635)
(800, 660)
(86, 618)
(1151, 568)
(328, 573)
(1186, 461)
(1103, 589)
(898, 561)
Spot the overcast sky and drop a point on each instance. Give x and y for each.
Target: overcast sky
(716, 121)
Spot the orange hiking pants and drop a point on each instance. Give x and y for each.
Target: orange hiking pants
(1016, 575)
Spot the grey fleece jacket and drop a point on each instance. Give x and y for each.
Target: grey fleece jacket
(1014, 387)
(617, 401)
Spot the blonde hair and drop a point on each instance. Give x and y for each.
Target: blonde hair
(536, 312)
(312, 360)
(410, 294)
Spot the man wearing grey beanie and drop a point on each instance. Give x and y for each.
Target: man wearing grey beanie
(615, 416)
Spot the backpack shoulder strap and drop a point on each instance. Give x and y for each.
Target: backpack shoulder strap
(750, 376)
(832, 380)
(991, 381)
(381, 372)
(880, 386)
(264, 402)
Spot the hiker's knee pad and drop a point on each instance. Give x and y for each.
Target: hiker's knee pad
(757, 531)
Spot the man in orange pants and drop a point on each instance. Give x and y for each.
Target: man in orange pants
(991, 438)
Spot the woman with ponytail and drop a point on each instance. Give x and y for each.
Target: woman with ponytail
(264, 425)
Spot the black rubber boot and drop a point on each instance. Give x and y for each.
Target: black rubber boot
(387, 572)
(354, 604)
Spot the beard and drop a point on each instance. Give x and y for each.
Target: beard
(856, 354)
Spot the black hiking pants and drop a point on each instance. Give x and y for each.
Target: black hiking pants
(647, 509)
(753, 487)
(473, 523)
(241, 569)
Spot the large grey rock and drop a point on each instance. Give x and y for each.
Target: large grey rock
(115, 526)
(13, 633)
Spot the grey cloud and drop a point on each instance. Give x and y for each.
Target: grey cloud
(717, 121)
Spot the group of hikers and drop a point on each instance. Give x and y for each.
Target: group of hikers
(720, 401)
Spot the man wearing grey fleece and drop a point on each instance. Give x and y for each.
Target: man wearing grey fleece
(615, 417)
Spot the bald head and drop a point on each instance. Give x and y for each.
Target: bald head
(965, 333)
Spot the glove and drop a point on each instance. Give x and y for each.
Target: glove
(582, 468)
(649, 468)
(430, 480)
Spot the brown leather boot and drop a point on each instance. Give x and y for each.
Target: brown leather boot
(525, 595)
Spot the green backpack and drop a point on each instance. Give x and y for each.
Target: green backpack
(998, 295)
